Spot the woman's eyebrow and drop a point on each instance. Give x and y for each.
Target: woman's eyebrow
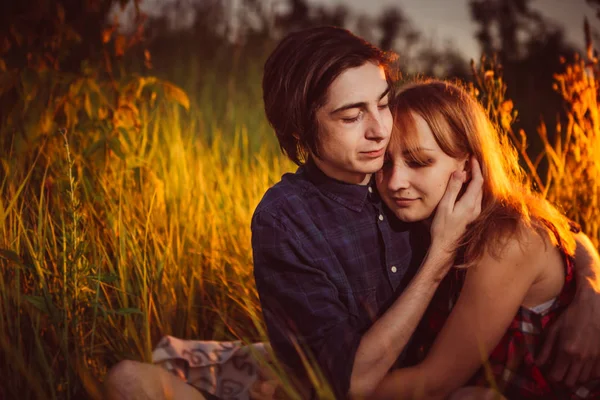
(416, 149)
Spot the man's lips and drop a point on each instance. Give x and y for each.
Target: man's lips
(374, 153)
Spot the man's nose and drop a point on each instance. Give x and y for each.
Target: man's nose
(375, 129)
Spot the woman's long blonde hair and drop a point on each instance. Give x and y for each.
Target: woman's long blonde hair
(461, 128)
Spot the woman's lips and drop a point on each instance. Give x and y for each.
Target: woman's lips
(404, 201)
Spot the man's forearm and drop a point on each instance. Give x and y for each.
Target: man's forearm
(587, 265)
(381, 345)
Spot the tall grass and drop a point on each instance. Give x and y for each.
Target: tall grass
(99, 262)
(124, 218)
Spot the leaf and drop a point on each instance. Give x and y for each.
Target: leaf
(177, 94)
(143, 82)
(38, 302)
(87, 104)
(105, 278)
(115, 146)
(93, 86)
(126, 311)
(60, 11)
(7, 81)
(28, 87)
(137, 174)
(147, 59)
(125, 135)
(107, 33)
(75, 87)
(98, 144)
(46, 121)
(119, 45)
(71, 114)
(17, 37)
(11, 256)
(94, 102)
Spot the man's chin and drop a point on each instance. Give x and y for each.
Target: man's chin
(372, 167)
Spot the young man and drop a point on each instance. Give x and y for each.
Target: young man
(337, 276)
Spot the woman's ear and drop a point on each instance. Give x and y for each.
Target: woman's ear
(467, 167)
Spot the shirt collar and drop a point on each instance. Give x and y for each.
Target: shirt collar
(349, 195)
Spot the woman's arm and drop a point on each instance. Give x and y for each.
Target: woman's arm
(493, 291)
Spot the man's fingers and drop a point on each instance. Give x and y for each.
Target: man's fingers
(573, 374)
(560, 368)
(546, 351)
(586, 371)
(596, 370)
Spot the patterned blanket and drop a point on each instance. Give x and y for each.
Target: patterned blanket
(227, 370)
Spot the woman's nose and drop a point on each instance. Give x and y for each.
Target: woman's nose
(399, 178)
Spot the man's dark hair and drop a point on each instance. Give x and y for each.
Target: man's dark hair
(296, 78)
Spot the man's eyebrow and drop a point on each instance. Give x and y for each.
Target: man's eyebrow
(361, 104)
(385, 93)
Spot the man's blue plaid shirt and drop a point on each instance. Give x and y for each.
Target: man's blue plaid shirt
(328, 260)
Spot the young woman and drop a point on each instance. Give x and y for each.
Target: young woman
(514, 271)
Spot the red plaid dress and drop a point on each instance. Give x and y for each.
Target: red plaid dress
(511, 366)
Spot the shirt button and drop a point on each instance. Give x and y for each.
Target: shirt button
(370, 189)
(394, 269)
(380, 217)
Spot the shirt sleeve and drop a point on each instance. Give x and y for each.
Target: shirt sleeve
(301, 305)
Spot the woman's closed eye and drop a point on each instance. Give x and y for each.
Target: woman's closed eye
(416, 163)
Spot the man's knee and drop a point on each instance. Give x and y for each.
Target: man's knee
(124, 381)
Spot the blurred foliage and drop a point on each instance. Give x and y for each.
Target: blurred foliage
(566, 170)
(528, 49)
(53, 79)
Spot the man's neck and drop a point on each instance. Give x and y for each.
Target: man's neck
(355, 178)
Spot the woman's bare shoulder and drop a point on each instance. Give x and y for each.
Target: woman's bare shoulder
(525, 249)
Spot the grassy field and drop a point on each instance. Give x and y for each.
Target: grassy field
(109, 242)
(126, 217)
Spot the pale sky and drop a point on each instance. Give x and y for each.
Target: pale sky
(442, 20)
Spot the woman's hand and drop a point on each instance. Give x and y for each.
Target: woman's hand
(452, 216)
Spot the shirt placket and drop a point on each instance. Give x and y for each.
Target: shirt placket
(395, 266)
